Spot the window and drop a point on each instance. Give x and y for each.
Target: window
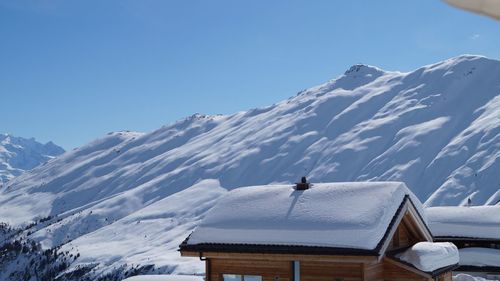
(236, 277)
(296, 270)
(252, 278)
(231, 277)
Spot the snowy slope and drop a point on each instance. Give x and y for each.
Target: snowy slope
(150, 236)
(19, 154)
(435, 128)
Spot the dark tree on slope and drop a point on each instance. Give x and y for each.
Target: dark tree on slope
(23, 259)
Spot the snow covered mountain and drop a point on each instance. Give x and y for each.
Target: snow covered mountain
(128, 199)
(19, 154)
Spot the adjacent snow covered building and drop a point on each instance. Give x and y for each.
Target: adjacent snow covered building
(314, 232)
(475, 231)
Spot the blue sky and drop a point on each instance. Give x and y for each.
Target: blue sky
(71, 71)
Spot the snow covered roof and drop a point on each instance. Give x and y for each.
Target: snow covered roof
(481, 222)
(429, 257)
(481, 257)
(467, 277)
(354, 215)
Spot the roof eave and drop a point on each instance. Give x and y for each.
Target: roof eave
(478, 268)
(274, 249)
(465, 238)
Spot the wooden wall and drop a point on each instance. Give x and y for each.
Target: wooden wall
(316, 271)
(402, 237)
(327, 271)
(389, 272)
(267, 269)
(373, 272)
(395, 273)
(446, 277)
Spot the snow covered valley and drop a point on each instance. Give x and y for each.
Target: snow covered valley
(121, 205)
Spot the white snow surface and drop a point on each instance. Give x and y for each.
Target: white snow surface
(149, 236)
(473, 222)
(466, 277)
(475, 256)
(20, 154)
(344, 215)
(164, 278)
(429, 256)
(435, 128)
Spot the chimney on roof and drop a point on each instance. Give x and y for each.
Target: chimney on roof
(302, 185)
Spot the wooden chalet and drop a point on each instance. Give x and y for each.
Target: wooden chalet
(314, 232)
(475, 230)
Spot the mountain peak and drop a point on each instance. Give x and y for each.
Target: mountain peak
(199, 117)
(19, 154)
(357, 75)
(363, 69)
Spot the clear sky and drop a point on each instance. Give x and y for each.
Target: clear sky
(71, 71)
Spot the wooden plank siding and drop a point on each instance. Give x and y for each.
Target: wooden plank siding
(446, 277)
(403, 237)
(393, 272)
(385, 271)
(317, 271)
(327, 271)
(269, 270)
(373, 272)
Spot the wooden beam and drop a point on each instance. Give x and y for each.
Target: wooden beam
(189, 254)
(422, 228)
(283, 257)
(393, 230)
(413, 231)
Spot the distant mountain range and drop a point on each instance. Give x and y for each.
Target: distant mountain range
(19, 154)
(128, 199)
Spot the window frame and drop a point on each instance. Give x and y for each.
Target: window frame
(242, 276)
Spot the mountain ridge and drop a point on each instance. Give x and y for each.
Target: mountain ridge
(19, 154)
(435, 128)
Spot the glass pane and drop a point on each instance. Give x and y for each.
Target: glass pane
(296, 270)
(231, 277)
(252, 278)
